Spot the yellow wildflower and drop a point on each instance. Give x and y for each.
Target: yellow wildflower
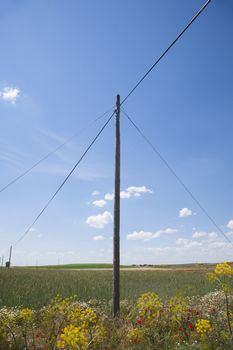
(203, 327)
(26, 315)
(223, 269)
(74, 337)
(149, 305)
(85, 316)
(178, 307)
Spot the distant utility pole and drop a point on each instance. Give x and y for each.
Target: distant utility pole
(116, 228)
(8, 263)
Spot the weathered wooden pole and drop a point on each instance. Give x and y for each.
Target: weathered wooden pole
(8, 263)
(116, 227)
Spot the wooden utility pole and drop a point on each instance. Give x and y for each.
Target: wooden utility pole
(116, 228)
(8, 263)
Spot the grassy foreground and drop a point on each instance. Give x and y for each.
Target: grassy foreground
(36, 287)
(171, 312)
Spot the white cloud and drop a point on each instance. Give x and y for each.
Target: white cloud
(140, 189)
(9, 94)
(98, 238)
(132, 191)
(109, 197)
(169, 230)
(229, 233)
(125, 195)
(137, 195)
(146, 236)
(185, 212)
(136, 235)
(219, 244)
(230, 224)
(99, 203)
(212, 235)
(95, 193)
(100, 221)
(182, 241)
(204, 246)
(199, 234)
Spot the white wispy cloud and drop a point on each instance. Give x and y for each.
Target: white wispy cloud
(230, 225)
(98, 238)
(99, 203)
(229, 234)
(147, 235)
(188, 243)
(140, 189)
(201, 234)
(169, 231)
(132, 191)
(184, 212)
(100, 221)
(95, 193)
(210, 242)
(9, 94)
(138, 235)
(109, 196)
(190, 250)
(212, 235)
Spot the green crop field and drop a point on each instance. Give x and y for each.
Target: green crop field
(36, 287)
(75, 266)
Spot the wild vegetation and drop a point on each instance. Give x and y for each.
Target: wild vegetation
(153, 321)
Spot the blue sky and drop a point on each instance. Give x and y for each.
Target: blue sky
(62, 64)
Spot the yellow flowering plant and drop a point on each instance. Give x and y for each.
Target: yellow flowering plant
(25, 316)
(74, 338)
(222, 276)
(203, 327)
(149, 306)
(223, 269)
(178, 308)
(70, 324)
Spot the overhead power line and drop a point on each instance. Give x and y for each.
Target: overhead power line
(64, 181)
(123, 101)
(166, 51)
(53, 152)
(155, 150)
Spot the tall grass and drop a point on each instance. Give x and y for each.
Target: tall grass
(35, 288)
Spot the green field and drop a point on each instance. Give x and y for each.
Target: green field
(36, 287)
(109, 266)
(74, 266)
